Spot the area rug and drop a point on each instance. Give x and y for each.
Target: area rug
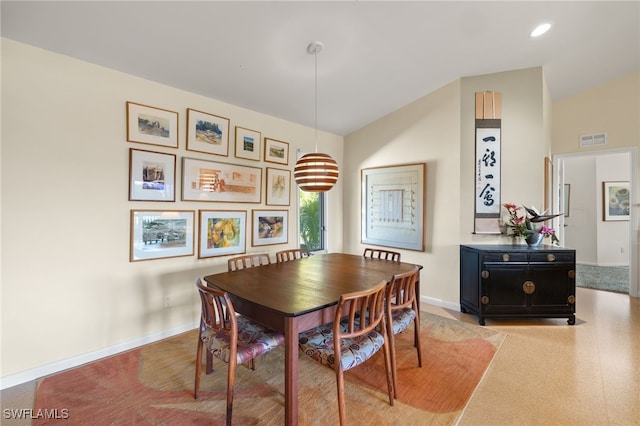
(153, 385)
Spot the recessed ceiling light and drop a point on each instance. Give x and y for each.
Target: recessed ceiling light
(540, 29)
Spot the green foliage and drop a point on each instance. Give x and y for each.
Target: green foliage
(310, 219)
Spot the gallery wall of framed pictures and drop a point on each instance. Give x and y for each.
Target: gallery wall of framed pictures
(228, 164)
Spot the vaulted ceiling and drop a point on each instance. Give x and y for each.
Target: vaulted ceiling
(378, 56)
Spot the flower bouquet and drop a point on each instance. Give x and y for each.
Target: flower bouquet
(525, 222)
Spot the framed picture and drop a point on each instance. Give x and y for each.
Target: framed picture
(567, 199)
(247, 144)
(151, 125)
(212, 181)
(222, 233)
(276, 151)
(615, 201)
(152, 176)
(278, 186)
(393, 206)
(207, 133)
(157, 234)
(269, 227)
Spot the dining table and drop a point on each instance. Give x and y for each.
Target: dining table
(299, 295)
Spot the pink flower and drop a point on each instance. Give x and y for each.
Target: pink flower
(545, 230)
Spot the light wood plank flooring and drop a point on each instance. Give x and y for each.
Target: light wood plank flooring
(550, 373)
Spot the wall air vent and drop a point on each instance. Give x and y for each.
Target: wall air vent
(593, 140)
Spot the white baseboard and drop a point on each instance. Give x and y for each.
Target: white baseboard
(56, 367)
(440, 303)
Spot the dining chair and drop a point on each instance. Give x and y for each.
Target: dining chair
(360, 327)
(234, 339)
(248, 261)
(381, 254)
(402, 309)
(291, 254)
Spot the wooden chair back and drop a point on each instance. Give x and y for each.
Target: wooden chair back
(248, 261)
(226, 337)
(381, 254)
(291, 254)
(402, 308)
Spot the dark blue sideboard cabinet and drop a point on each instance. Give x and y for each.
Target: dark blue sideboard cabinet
(510, 281)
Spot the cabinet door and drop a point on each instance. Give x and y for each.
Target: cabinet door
(554, 286)
(503, 288)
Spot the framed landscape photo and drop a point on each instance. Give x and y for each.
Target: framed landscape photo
(213, 181)
(222, 233)
(276, 151)
(247, 144)
(278, 187)
(269, 227)
(157, 234)
(155, 126)
(207, 133)
(152, 176)
(615, 201)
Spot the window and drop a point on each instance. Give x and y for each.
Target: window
(312, 220)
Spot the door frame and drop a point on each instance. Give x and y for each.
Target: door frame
(558, 198)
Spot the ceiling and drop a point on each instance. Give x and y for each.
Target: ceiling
(378, 56)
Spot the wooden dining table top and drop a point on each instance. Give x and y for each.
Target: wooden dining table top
(303, 285)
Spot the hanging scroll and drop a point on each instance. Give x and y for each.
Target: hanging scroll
(487, 163)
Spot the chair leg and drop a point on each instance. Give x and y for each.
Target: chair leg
(341, 404)
(198, 367)
(231, 378)
(416, 337)
(392, 352)
(390, 372)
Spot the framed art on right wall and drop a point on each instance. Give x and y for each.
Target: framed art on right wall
(615, 201)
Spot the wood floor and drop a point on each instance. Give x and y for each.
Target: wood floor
(546, 372)
(550, 373)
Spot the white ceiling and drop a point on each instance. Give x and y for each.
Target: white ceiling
(378, 56)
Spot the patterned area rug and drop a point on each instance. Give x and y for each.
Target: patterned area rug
(153, 385)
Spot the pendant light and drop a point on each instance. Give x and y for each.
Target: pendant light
(316, 172)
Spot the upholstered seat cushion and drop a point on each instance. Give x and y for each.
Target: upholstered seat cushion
(402, 318)
(318, 344)
(253, 340)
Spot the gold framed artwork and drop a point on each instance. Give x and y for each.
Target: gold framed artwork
(278, 187)
(152, 176)
(276, 151)
(150, 125)
(207, 133)
(269, 227)
(204, 180)
(247, 143)
(222, 233)
(393, 206)
(157, 234)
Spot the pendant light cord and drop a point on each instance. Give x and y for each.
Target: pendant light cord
(315, 55)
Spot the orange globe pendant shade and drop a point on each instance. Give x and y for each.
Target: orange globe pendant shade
(316, 172)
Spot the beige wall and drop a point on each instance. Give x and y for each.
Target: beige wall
(439, 129)
(68, 288)
(426, 131)
(613, 108)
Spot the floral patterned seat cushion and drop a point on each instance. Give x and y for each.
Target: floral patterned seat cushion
(318, 344)
(402, 318)
(253, 340)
